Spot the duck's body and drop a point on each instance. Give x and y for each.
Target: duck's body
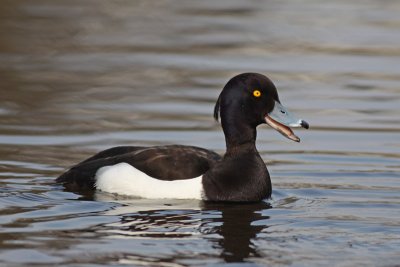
(188, 172)
(150, 172)
(180, 172)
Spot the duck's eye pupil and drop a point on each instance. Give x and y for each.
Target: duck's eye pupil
(283, 112)
(257, 93)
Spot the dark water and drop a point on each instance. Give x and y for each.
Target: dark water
(80, 76)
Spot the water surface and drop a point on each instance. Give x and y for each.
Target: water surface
(80, 76)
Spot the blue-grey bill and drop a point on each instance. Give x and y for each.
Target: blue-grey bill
(281, 119)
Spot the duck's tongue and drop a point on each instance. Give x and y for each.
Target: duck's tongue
(280, 119)
(284, 130)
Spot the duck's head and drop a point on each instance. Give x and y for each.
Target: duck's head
(251, 99)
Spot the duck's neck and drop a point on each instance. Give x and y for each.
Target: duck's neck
(241, 175)
(239, 137)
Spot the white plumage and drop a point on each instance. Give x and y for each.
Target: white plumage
(124, 179)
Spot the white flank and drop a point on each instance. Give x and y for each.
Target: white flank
(124, 179)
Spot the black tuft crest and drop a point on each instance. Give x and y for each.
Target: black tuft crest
(216, 109)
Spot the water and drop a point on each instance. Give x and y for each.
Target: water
(81, 76)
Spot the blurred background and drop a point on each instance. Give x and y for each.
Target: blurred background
(80, 76)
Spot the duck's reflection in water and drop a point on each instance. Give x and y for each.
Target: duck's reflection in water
(237, 229)
(230, 229)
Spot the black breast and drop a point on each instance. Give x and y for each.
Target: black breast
(241, 177)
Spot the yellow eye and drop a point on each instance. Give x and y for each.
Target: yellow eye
(257, 93)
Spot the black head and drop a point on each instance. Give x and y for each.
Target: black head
(248, 100)
(248, 96)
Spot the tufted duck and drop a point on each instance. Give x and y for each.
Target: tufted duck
(189, 172)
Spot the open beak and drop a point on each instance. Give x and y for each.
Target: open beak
(281, 119)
